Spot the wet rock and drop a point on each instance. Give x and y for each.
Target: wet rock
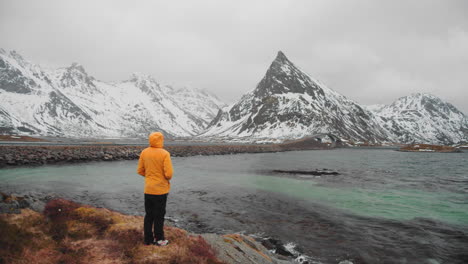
(268, 244)
(37, 206)
(23, 203)
(14, 204)
(281, 250)
(302, 260)
(277, 246)
(4, 208)
(9, 208)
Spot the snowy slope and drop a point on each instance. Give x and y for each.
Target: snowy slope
(423, 118)
(374, 108)
(289, 104)
(202, 103)
(70, 102)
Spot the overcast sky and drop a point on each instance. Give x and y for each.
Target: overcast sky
(370, 51)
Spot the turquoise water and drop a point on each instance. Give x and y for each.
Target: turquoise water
(402, 204)
(379, 183)
(384, 205)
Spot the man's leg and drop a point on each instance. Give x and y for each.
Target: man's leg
(149, 218)
(159, 213)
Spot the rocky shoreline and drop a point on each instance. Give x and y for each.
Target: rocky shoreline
(40, 154)
(54, 216)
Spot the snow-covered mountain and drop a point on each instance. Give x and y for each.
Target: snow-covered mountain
(70, 102)
(289, 104)
(204, 103)
(286, 104)
(423, 118)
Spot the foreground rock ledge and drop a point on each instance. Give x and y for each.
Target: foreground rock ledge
(68, 232)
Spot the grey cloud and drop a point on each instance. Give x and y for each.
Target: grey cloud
(371, 51)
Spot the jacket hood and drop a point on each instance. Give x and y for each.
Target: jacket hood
(156, 140)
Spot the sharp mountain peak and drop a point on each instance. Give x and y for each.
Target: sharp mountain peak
(281, 57)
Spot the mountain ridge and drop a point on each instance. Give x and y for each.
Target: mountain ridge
(69, 102)
(288, 104)
(424, 118)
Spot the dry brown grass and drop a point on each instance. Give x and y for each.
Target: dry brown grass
(68, 232)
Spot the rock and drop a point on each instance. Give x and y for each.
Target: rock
(9, 208)
(301, 260)
(276, 246)
(268, 244)
(240, 249)
(108, 157)
(14, 204)
(37, 206)
(23, 203)
(4, 208)
(281, 250)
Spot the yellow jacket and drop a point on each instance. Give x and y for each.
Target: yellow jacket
(156, 166)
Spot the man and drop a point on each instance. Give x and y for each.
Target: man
(156, 166)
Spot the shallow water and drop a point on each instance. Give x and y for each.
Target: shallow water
(384, 207)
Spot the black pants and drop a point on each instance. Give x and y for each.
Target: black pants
(155, 209)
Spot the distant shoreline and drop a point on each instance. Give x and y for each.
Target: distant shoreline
(40, 154)
(425, 148)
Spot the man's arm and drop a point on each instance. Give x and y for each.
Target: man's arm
(168, 167)
(141, 166)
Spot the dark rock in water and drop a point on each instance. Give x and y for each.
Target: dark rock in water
(316, 172)
(302, 260)
(268, 244)
(277, 246)
(281, 250)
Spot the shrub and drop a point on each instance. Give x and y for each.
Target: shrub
(59, 210)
